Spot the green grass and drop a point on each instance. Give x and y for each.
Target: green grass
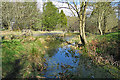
(29, 54)
(108, 36)
(10, 53)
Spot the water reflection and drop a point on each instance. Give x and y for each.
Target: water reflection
(64, 60)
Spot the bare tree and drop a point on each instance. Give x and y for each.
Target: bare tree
(105, 15)
(80, 11)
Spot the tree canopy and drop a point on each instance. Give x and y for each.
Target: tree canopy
(20, 15)
(104, 16)
(50, 16)
(63, 20)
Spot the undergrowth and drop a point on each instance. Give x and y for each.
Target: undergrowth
(104, 50)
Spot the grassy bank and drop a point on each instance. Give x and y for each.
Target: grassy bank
(103, 50)
(24, 58)
(21, 58)
(105, 46)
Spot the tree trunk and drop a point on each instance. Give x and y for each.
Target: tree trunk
(84, 13)
(82, 22)
(100, 18)
(99, 26)
(81, 16)
(82, 40)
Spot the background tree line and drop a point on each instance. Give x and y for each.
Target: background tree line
(26, 15)
(103, 18)
(20, 15)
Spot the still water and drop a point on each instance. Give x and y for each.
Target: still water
(69, 62)
(64, 60)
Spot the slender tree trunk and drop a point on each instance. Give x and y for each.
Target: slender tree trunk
(81, 16)
(100, 18)
(84, 13)
(99, 26)
(82, 22)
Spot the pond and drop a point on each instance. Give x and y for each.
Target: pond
(69, 62)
